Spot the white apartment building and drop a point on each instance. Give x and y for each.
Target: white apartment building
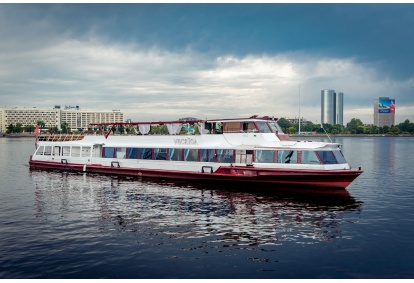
(74, 118)
(28, 116)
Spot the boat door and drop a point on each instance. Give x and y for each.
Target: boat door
(244, 156)
(97, 150)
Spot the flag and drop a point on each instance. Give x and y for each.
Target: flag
(37, 130)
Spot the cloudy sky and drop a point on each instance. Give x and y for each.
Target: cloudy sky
(167, 61)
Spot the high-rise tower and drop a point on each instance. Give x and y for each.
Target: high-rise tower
(332, 107)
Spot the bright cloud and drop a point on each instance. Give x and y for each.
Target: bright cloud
(158, 84)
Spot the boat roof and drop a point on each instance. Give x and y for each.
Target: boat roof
(189, 121)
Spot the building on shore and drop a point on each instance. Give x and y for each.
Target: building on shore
(332, 107)
(80, 119)
(384, 112)
(74, 117)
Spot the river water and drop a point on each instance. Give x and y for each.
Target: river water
(66, 225)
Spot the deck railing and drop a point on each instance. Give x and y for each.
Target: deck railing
(60, 137)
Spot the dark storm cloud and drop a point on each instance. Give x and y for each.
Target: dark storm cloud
(186, 56)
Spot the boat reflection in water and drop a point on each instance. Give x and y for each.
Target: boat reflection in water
(104, 204)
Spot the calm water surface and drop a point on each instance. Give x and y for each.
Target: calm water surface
(66, 225)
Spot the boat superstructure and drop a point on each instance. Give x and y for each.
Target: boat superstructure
(248, 150)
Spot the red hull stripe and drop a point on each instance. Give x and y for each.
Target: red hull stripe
(309, 178)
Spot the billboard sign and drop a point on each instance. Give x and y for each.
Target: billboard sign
(386, 105)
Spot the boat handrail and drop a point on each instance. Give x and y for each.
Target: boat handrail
(61, 137)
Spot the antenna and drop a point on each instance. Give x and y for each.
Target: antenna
(326, 133)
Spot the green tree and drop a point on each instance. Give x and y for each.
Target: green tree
(41, 124)
(361, 129)
(406, 127)
(338, 129)
(353, 125)
(18, 128)
(10, 129)
(373, 129)
(65, 127)
(29, 129)
(292, 130)
(284, 124)
(395, 130)
(328, 128)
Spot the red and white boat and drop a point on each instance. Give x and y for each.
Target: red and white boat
(249, 150)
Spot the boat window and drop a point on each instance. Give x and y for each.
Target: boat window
(56, 150)
(275, 127)
(327, 157)
(207, 155)
(108, 152)
(219, 128)
(339, 157)
(175, 154)
(48, 150)
(76, 150)
(160, 154)
(86, 151)
(249, 127)
(263, 127)
(65, 150)
(146, 153)
(132, 153)
(39, 150)
(225, 155)
(190, 154)
(120, 152)
(287, 156)
(231, 127)
(309, 157)
(265, 156)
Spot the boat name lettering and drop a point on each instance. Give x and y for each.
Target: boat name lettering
(186, 141)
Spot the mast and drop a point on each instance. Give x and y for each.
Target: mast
(299, 109)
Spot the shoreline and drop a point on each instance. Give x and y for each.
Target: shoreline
(352, 135)
(3, 135)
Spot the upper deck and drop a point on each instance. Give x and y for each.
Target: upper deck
(241, 133)
(252, 124)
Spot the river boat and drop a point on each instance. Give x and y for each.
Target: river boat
(250, 150)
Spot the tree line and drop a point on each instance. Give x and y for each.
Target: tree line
(19, 128)
(355, 126)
